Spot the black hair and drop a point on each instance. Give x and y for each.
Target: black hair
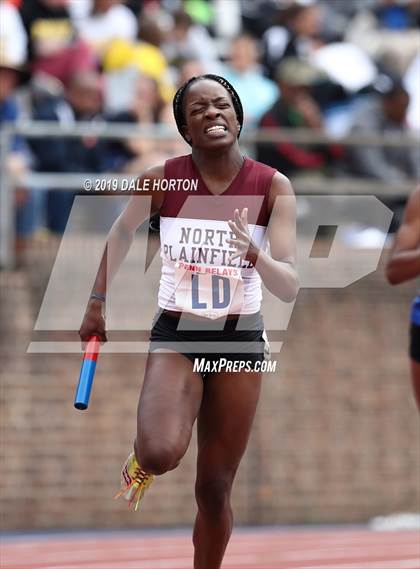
(179, 100)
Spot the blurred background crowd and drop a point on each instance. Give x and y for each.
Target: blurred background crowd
(335, 66)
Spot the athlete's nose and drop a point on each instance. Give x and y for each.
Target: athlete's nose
(212, 112)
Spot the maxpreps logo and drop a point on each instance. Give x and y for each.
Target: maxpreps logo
(203, 365)
(132, 298)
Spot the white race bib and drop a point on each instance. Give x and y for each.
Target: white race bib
(207, 290)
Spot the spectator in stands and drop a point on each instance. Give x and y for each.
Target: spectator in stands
(136, 155)
(82, 102)
(54, 47)
(18, 159)
(147, 153)
(296, 108)
(384, 113)
(147, 101)
(259, 15)
(188, 68)
(297, 34)
(132, 154)
(12, 34)
(187, 40)
(388, 32)
(145, 55)
(256, 91)
(147, 108)
(108, 20)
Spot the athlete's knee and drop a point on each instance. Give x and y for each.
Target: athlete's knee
(156, 457)
(213, 495)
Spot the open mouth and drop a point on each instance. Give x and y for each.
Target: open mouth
(216, 129)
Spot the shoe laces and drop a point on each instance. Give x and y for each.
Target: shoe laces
(142, 480)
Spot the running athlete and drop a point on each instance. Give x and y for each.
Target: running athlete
(404, 265)
(213, 260)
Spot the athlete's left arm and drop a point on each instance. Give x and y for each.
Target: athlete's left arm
(404, 261)
(278, 271)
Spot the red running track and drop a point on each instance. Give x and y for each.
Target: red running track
(249, 549)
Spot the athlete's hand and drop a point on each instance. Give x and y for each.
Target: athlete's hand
(93, 323)
(242, 242)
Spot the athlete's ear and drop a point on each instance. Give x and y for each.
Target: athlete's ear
(238, 126)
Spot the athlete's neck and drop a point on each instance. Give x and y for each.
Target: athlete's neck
(220, 166)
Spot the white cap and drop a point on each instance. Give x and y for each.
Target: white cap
(13, 38)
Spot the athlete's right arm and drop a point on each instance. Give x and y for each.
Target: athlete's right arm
(404, 260)
(119, 241)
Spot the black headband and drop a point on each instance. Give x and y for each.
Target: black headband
(179, 98)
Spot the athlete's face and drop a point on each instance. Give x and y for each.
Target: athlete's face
(210, 117)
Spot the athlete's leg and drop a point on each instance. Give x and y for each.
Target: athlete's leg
(224, 425)
(415, 378)
(168, 406)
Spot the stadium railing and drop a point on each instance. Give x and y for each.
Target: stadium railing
(61, 181)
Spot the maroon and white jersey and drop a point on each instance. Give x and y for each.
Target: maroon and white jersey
(197, 276)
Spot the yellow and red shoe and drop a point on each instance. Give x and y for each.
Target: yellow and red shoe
(134, 482)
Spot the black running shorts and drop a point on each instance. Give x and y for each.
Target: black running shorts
(415, 342)
(238, 340)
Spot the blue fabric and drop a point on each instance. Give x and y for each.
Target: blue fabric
(415, 311)
(58, 208)
(25, 214)
(68, 155)
(9, 113)
(394, 18)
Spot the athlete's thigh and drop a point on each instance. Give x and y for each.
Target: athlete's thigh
(225, 420)
(170, 399)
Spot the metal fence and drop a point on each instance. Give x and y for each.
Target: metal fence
(121, 131)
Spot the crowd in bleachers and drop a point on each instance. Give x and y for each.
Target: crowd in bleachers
(338, 66)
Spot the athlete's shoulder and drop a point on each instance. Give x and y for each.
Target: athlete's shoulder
(281, 185)
(155, 172)
(260, 166)
(178, 166)
(276, 183)
(258, 176)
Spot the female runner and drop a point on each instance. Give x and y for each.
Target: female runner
(403, 265)
(213, 260)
